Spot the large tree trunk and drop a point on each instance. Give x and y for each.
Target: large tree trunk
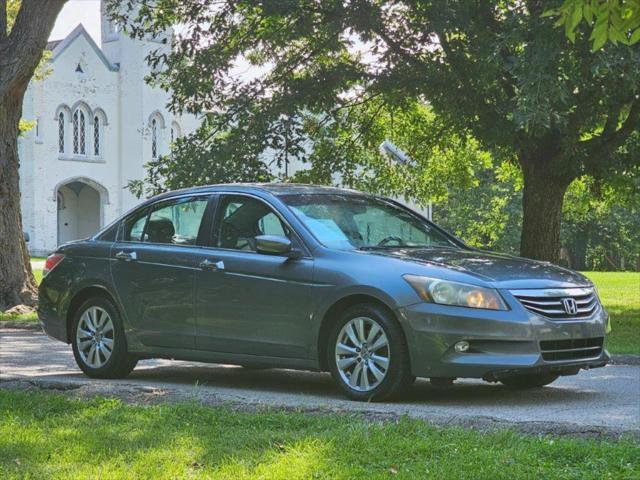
(579, 248)
(542, 199)
(17, 285)
(20, 52)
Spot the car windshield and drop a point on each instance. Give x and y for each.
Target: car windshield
(361, 222)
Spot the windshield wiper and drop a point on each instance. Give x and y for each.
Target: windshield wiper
(389, 247)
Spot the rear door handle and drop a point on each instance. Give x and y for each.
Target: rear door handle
(127, 256)
(207, 264)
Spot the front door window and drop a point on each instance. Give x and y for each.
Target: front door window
(242, 219)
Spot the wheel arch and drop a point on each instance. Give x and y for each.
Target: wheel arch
(331, 315)
(79, 298)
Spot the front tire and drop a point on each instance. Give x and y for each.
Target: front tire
(368, 354)
(99, 344)
(521, 382)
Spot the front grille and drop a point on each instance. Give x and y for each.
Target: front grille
(551, 302)
(579, 348)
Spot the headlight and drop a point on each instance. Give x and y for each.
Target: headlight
(454, 293)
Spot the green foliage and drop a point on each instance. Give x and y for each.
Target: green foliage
(601, 221)
(499, 76)
(13, 7)
(348, 142)
(45, 435)
(489, 214)
(501, 72)
(24, 126)
(609, 20)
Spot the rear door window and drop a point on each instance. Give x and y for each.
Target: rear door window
(176, 222)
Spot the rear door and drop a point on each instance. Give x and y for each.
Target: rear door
(248, 302)
(153, 265)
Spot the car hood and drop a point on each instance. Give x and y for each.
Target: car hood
(503, 271)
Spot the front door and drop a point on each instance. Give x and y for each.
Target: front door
(248, 302)
(153, 265)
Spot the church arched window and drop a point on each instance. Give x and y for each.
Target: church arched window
(96, 135)
(61, 132)
(79, 133)
(154, 139)
(176, 133)
(83, 149)
(76, 126)
(155, 131)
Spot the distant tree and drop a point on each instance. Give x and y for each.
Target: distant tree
(602, 221)
(616, 21)
(499, 71)
(21, 49)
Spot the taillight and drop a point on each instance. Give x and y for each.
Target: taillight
(52, 262)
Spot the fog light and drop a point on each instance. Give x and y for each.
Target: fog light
(461, 347)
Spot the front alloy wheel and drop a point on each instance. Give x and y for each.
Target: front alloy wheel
(368, 355)
(362, 354)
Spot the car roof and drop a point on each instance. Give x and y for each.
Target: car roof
(273, 188)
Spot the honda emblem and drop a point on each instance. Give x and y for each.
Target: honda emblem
(570, 306)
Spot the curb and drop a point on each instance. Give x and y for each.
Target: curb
(625, 359)
(13, 325)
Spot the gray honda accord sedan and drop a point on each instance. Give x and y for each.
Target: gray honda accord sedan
(315, 278)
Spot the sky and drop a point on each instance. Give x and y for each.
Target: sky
(74, 12)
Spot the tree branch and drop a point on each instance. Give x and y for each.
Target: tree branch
(610, 138)
(22, 49)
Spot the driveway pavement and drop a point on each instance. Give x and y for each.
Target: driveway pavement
(604, 400)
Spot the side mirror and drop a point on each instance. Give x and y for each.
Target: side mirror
(275, 245)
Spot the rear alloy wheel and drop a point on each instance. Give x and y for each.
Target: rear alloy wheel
(99, 345)
(368, 354)
(529, 381)
(94, 337)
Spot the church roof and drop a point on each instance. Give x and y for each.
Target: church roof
(52, 44)
(59, 46)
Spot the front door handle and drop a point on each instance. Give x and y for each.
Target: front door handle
(207, 264)
(127, 256)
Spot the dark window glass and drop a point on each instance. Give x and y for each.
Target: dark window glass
(242, 219)
(133, 226)
(177, 222)
(82, 134)
(61, 133)
(96, 136)
(76, 141)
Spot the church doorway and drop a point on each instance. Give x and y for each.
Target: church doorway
(80, 209)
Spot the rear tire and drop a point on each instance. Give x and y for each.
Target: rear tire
(99, 344)
(521, 382)
(363, 340)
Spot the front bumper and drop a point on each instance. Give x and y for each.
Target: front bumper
(502, 343)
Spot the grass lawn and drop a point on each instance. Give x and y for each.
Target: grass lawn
(620, 294)
(46, 435)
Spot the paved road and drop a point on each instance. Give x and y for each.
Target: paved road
(605, 399)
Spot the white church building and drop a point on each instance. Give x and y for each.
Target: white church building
(96, 123)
